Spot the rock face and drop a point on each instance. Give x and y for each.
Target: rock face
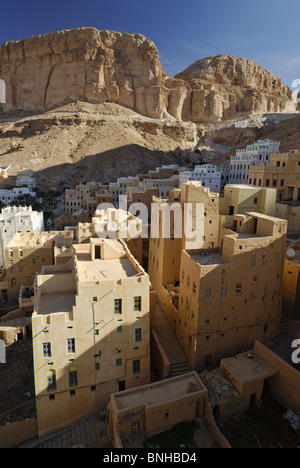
(222, 86)
(43, 72)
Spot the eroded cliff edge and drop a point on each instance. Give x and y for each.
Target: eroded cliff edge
(85, 64)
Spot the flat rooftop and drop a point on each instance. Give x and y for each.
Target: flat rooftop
(52, 303)
(160, 393)
(248, 367)
(207, 258)
(98, 270)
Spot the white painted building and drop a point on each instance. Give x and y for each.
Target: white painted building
(256, 154)
(29, 182)
(16, 219)
(8, 196)
(208, 174)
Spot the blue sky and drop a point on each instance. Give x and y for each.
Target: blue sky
(266, 31)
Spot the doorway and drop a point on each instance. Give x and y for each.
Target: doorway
(97, 251)
(121, 385)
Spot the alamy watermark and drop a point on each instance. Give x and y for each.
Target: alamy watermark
(2, 92)
(167, 221)
(2, 352)
(296, 93)
(296, 353)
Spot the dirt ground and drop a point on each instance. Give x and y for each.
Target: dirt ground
(262, 426)
(17, 400)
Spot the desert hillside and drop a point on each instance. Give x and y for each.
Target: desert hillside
(86, 105)
(84, 142)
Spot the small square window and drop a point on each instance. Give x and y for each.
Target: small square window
(97, 366)
(119, 329)
(238, 289)
(119, 362)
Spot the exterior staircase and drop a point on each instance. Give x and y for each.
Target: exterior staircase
(179, 368)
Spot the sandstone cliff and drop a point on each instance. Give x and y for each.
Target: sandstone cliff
(222, 86)
(43, 72)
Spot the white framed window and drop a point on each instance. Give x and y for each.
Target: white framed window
(70, 345)
(46, 350)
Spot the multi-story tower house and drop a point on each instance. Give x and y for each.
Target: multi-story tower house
(91, 333)
(27, 253)
(256, 154)
(232, 295)
(283, 174)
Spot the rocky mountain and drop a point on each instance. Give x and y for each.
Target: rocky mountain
(85, 64)
(223, 86)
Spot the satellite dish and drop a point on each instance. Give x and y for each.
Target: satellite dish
(291, 253)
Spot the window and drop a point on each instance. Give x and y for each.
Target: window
(264, 259)
(71, 345)
(118, 306)
(136, 366)
(119, 362)
(138, 303)
(255, 280)
(253, 260)
(138, 335)
(51, 380)
(119, 329)
(238, 289)
(97, 366)
(207, 292)
(46, 350)
(194, 288)
(73, 377)
(224, 290)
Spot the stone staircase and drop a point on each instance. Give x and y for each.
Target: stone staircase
(179, 368)
(89, 433)
(282, 343)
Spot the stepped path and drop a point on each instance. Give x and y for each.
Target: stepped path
(89, 433)
(178, 362)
